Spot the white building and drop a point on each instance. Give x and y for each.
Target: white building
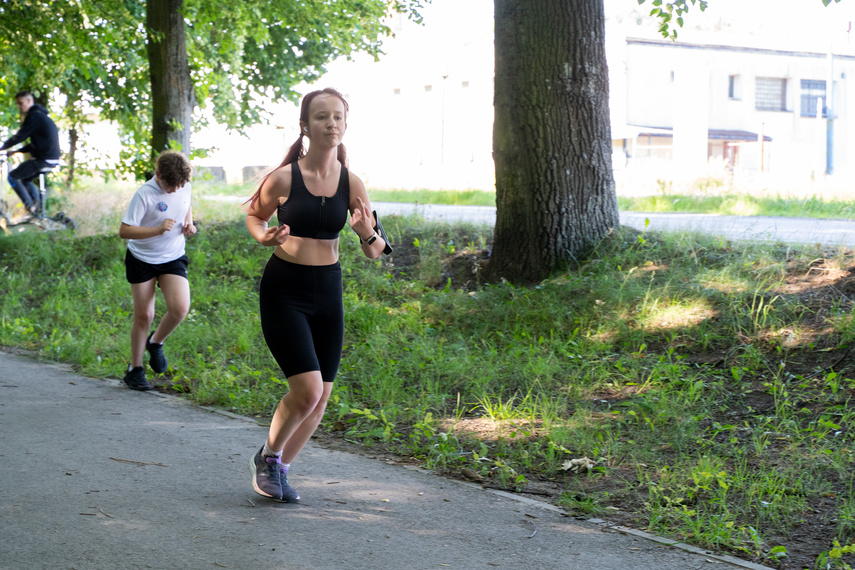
(702, 108)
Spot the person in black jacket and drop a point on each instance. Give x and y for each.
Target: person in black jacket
(43, 147)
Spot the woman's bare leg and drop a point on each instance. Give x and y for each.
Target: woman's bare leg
(307, 393)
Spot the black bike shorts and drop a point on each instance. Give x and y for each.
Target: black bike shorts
(302, 316)
(138, 271)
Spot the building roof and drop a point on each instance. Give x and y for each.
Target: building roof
(632, 131)
(735, 48)
(735, 135)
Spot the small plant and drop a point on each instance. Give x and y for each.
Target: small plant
(777, 553)
(580, 503)
(444, 452)
(834, 557)
(381, 428)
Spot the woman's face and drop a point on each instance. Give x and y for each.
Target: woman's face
(327, 121)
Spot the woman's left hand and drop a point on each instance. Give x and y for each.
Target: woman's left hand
(361, 220)
(189, 229)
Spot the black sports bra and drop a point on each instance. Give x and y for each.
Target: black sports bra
(311, 216)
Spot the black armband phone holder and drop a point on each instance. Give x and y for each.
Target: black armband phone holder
(378, 227)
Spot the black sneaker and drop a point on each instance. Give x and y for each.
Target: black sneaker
(268, 479)
(135, 379)
(157, 360)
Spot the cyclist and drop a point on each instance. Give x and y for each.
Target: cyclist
(43, 147)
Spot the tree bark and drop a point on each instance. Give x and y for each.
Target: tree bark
(172, 92)
(72, 156)
(555, 190)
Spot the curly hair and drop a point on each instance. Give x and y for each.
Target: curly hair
(173, 168)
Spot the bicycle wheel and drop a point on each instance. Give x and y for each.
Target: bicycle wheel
(65, 220)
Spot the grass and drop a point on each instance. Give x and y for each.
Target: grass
(742, 204)
(96, 208)
(708, 383)
(424, 196)
(728, 203)
(708, 197)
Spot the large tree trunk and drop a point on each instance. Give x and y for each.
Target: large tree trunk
(551, 138)
(172, 94)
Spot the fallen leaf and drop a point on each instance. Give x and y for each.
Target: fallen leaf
(471, 475)
(579, 465)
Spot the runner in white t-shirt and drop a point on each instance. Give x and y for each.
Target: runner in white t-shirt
(155, 225)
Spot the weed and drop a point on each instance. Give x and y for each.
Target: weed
(834, 557)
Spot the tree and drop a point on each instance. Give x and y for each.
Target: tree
(555, 191)
(103, 69)
(670, 13)
(96, 53)
(173, 96)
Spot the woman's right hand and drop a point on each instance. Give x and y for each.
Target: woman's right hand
(276, 235)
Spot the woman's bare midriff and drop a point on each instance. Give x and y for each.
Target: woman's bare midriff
(308, 251)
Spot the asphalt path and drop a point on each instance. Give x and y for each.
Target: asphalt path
(748, 228)
(96, 476)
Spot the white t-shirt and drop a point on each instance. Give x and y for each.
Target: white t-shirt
(149, 207)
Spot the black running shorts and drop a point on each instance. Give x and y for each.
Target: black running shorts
(139, 271)
(302, 316)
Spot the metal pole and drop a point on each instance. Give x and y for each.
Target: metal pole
(829, 114)
(442, 133)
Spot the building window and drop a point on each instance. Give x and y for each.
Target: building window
(812, 92)
(734, 87)
(771, 94)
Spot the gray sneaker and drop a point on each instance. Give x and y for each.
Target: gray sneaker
(269, 479)
(289, 494)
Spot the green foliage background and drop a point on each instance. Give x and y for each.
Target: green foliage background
(91, 54)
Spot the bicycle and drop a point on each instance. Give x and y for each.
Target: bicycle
(58, 221)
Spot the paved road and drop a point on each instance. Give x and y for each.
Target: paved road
(95, 476)
(761, 228)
